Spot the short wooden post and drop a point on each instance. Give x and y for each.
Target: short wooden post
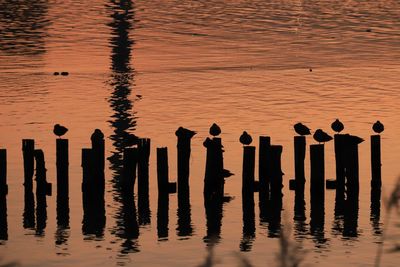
(42, 186)
(162, 170)
(214, 180)
(130, 160)
(28, 148)
(97, 166)
(264, 172)
(184, 149)
(3, 218)
(276, 172)
(317, 181)
(299, 156)
(62, 163)
(3, 172)
(143, 166)
(339, 143)
(376, 176)
(352, 173)
(248, 173)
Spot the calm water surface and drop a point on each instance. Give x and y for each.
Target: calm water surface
(148, 67)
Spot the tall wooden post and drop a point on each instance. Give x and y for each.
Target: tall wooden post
(28, 148)
(376, 176)
(264, 173)
(3, 172)
(129, 170)
(62, 163)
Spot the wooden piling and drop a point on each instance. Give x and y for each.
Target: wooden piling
(276, 172)
(248, 172)
(183, 149)
(339, 143)
(162, 170)
(130, 160)
(264, 172)
(86, 169)
(3, 172)
(317, 181)
(352, 173)
(3, 218)
(42, 186)
(97, 165)
(143, 166)
(29, 210)
(213, 179)
(62, 163)
(376, 176)
(162, 214)
(28, 148)
(299, 156)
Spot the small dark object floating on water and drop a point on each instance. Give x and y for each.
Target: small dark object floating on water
(378, 127)
(64, 73)
(215, 130)
(321, 136)
(337, 126)
(245, 138)
(56, 73)
(59, 130)
(301, 129)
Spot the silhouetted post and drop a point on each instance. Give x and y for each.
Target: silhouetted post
(248, 173)
(299, 156)
(317, 181)
(42, 186)
(97, 165)
(162, 170)
(62, 163)
(143, 180)
(3, 217)
(276, 172)
(28, 148)
(143, 166)
(264, 172)
(214, 180)
(129, 172)
(87, 176)
(339, 143)
(376, 180)
(352, 173)
(3, 172)
(184, 148)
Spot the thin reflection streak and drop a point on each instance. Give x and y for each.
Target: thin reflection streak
(23, 26)
(123, 120)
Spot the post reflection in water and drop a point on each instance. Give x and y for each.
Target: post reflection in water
(376, 211)
(123, 120)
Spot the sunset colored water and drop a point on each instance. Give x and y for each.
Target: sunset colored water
(148, 67)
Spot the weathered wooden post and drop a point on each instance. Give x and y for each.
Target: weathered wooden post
(264, 173)
(130, 160)
(184, 148)
(299, 156)
(62, 163)
(162, 170)
(3, 172)
(339, 144)
(376, 176)
(214, 180)
(143, 181)
(3, 217)
(42, 189)
(28, 148)
(317, 181)
(276, 172)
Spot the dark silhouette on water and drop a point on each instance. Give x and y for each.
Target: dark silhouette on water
(215, 130)
(245, 138)
(378, 127)
(321, 136)
(301, 129)
(123, 123)
(59, 130)
(3, 218)
(337, 126)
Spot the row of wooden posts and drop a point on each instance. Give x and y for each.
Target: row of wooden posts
(136, 161)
